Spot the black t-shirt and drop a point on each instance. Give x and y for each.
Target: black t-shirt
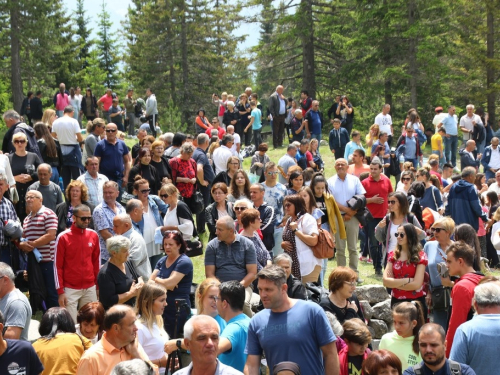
(320, 203)
(20, 358)
(354, 364)
(161, 168)
(112, 282)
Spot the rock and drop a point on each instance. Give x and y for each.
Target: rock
(372, 293)
(372, 331)
(379, 327)
(383, 311)
(323, 143)
(367, 309)
(375, 344)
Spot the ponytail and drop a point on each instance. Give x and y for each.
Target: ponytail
(412, 311)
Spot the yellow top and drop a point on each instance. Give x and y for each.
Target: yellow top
(368, 150)
(434, 142)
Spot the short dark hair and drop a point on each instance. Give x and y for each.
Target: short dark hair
(263, 147)
(177, 237)
(448, 165)
(305, 92)
(273, 273)
(461, 250)
(355, 133)
(433, 327)
(360, 152)
(79, 208)
(417, 189)
(298, 202)
(356, 331)
(178, 139)
(249, 216)
(234, 293)
(56, 319)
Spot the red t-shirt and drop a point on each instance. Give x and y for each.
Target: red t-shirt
(404, 269)
(107, 101)
(219, 129)
(383, 188)
(309, 157)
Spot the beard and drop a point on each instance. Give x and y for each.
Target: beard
(435, 362)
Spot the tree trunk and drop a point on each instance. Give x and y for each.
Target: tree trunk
(490, 66)
(15, 57)
(412, 53)
(308, 71)
(184, 62)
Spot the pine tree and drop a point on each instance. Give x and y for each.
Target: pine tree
(82, 35)
(108, 47)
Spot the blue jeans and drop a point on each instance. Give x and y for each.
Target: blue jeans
(450, 149)
(316, 136)
(414, 161)
(5, 255)
(278, 239)
(442, 160)
(47, 269)
(375, 248)
(60, 113)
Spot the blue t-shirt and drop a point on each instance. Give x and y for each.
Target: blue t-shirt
(182, 265)
(257, 123)
(236, 332)
(450, 125)
(111, 158)
(315, 127)
(294, 335)
(476, 343)
(432, 198)
(20, 358)
(410, 148)
(445, 370)
(222, 322)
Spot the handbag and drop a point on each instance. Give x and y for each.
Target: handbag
(325, 248)
(197, 203)
(194, 247)
(440, 298)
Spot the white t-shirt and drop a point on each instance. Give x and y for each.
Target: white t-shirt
(221, 156)
(307, 225)
(384, 122)
(495, 158)
(466, 122)
(185, 226)
(393, 241)
(438, 119)
(237, 141)
(66, 129)
(152, 341)
(149, 233)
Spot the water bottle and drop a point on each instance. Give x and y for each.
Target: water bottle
(61, 185)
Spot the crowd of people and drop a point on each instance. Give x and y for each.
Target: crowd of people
(101, 237)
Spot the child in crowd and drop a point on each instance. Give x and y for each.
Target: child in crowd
(403, 341)
(357, 338)
(355, 144)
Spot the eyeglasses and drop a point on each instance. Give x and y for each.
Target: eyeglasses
(240, 208)
(84, 218)
(350, 283)
(21, 141)
(392, 202)
(164, 196)
(215, 298)
(406, 179)
(437, 230)
(399, 235)
(286, 205)
(110, 130)
(272, 173)
(145, 191)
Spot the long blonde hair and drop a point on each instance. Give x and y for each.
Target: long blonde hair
(144, 305)
(202, 291)
(47, 114)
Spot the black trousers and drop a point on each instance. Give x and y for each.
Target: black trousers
(278, 130)
(200, 219)
(152, 123)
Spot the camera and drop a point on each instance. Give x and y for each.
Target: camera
(181, 304)
(442, 269)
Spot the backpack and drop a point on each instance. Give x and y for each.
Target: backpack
(325, 248)
(409, 218)
(455, 368)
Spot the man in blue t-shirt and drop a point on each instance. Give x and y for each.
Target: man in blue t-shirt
(234, 337)
(17, 356)
(450, 124)
(314, 121)
(289, 330)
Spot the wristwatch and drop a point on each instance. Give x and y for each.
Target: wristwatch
(293, 231)
(178, 344)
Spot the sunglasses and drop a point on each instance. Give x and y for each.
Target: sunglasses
(392, 202)
(240, 208)
(21, 141)
(399, 235)
(287, 205)
(110, 130)
(272, 173)
(164, 196)
(437, 230)
(406, 179)
(145, 191)
(167, 232)
(84, 218)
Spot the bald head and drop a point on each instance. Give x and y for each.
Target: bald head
(122, 223)
(470, 145)
(279, 89)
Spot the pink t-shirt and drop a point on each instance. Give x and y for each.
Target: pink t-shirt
(62, 101)
(106, 101)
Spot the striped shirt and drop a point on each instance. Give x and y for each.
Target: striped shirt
(36, 226)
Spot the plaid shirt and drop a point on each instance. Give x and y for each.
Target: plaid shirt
(94, 186)
(7, 212)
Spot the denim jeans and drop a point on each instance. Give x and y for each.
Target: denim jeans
(47, 269)
(375, 248)
(257, 138)
(450, 149)
(442, 160)
(55, 175)
(316, 136)
(414, 161)
(278, 239)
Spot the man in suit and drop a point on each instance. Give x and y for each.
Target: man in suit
(467, 158)
(277, 108)
(36, 108)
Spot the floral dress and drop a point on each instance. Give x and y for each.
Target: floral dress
(185, 169)
(405, 269)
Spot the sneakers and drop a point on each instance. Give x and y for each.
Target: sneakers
(365, 259)
(369, 261)
(378, 273)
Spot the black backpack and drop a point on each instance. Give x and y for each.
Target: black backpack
(455, 368)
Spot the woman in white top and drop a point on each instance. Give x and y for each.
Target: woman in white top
(75, 101)
(299, 235)
(151, 335)
(6, 170)
(178, 216)
(404, 184)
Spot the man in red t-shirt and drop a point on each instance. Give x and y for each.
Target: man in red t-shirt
(377, 187)
(104, 103)
(215, 126)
